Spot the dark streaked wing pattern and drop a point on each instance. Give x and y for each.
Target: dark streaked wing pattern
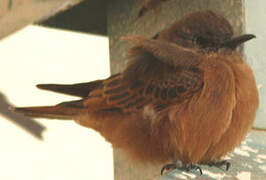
(147, 80)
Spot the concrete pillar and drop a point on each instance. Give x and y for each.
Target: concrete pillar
(122, 21)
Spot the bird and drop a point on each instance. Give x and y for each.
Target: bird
(186, 97)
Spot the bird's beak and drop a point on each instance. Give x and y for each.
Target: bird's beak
(236, 41)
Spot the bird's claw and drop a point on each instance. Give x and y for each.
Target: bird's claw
(219, 164)
(168, 167)
(191, 166)
(186, 167)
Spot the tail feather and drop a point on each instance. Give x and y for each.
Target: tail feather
(81, 90)
(66, 110)
(92, 100)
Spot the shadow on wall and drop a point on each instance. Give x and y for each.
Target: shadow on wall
(28, 124)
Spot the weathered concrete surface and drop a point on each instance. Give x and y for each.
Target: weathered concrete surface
(15, 14)
(122, 21)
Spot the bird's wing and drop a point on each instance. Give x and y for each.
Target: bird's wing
(149, 79)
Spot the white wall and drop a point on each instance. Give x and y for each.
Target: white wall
(68, 151)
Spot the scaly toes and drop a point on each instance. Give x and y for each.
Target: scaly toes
(219, 164)
(168, 167)
(186, 167)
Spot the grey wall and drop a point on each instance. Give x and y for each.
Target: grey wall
(255, 51)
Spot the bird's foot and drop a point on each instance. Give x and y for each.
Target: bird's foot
(219, 164)
(185, 167)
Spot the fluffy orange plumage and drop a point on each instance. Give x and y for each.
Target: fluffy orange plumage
(186, 95)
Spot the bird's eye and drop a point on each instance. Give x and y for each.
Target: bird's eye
(155, 36)
(200, 40)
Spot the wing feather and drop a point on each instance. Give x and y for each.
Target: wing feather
(147, 80)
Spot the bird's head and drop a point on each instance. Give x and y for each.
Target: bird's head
(205, 31)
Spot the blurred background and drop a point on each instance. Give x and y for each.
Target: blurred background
(49, 149)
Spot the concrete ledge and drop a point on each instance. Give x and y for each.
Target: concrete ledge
(16, 14)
